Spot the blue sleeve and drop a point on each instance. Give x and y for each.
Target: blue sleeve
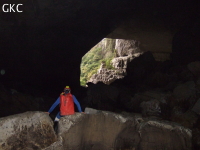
(54, 105)
(77, 103)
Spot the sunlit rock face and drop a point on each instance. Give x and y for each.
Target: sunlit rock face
(107, 76)
(124, 51)
(127, 47)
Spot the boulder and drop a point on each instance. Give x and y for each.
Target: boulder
(157, 135)
(139, 103)
(196, 107)
(185, 75)
(90, 131)
(91, 110)
(196, 138)
(185, 90)
(151, 108)
(106, 130)
(31, 130)
(194, 67)
(95, 131)
(187, 119)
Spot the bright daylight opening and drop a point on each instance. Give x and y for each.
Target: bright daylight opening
(107, 60)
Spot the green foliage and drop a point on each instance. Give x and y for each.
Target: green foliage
(92, 60)
(108, 63)
(90, 64)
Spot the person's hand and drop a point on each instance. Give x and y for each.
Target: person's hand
(83, 112)
(47, 113)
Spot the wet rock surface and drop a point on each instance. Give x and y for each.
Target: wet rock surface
(26, 131)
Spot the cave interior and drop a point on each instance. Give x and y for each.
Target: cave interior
(42, 47)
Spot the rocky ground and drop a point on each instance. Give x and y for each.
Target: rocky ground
(94, 130)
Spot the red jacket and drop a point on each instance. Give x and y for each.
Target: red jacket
(66, 104)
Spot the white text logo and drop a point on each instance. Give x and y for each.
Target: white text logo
(12, 8)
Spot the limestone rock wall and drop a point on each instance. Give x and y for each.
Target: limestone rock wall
(126, 51)
(127, 47)
(106, 76)
(107, 45)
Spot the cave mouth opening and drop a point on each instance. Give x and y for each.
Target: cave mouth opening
(107, 60)
(102, 52)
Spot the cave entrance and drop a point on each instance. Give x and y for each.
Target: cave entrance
(107, 60)
(102, 53)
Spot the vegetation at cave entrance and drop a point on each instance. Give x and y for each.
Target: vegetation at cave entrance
(91, 61)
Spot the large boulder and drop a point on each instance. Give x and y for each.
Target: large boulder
(148, 102)
(151, 108)
(188, 119)
(26, 131)
(106, 130)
